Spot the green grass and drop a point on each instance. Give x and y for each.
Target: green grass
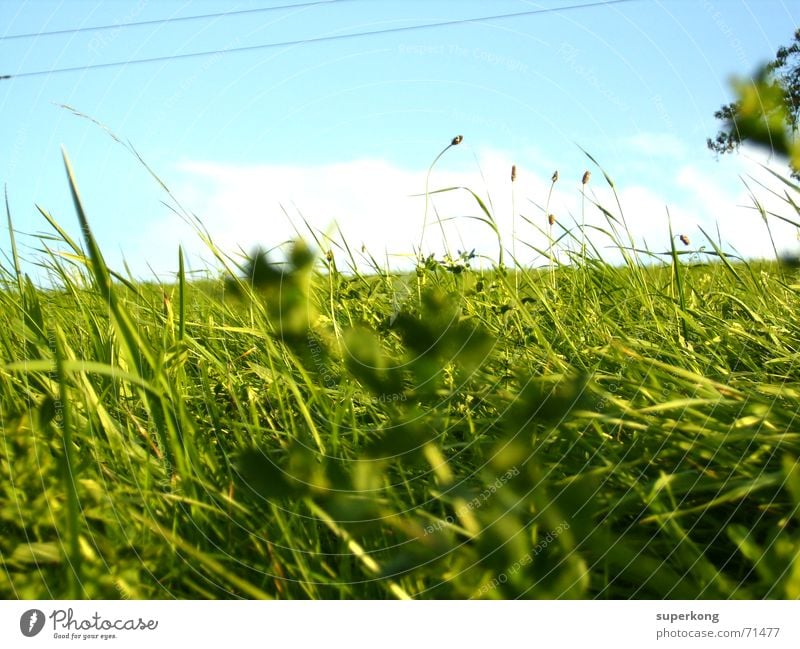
(295, 431)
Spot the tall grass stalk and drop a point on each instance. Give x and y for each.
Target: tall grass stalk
(677, 274)
(455, 142)
(584, 181)
(550, 222)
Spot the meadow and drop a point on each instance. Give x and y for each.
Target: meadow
(296, 427)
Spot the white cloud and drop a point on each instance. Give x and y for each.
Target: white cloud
(728, 204)
(378, 205)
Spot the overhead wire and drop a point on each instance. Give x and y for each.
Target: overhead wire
(173, 19)
(318, 39)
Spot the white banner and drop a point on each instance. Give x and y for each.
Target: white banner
(406, 625)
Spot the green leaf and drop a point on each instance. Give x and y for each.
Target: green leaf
(366, 360)
(262, 475)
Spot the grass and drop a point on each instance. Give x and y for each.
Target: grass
(294, 431)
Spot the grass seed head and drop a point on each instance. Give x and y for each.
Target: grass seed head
(457, 140)
(586, 176)
(551, 219)
(555, 176)
(684, 239)
(513, 173)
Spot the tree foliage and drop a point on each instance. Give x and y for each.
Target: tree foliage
(767, 110)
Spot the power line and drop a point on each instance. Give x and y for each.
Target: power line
(161, 21)
(319, 39)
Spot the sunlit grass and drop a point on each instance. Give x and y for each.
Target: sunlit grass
(294, 431)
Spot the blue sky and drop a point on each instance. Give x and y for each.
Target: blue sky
(258, 142)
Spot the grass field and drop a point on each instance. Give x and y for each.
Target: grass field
(301, 430)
